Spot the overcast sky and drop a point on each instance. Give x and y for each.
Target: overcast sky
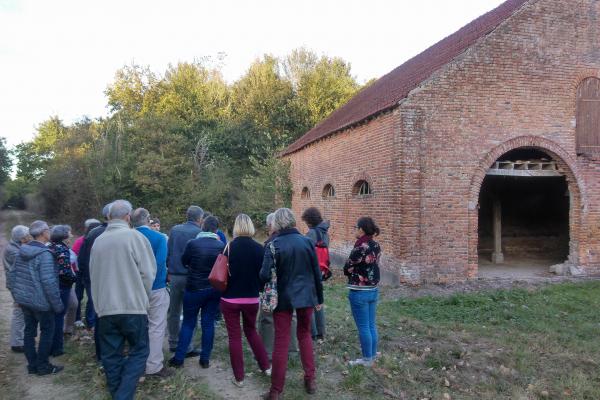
(58, 56)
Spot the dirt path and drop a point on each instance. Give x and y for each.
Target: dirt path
(218, 378)
(15, 383)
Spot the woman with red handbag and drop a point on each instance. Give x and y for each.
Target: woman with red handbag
(199, 257)
(241, 298)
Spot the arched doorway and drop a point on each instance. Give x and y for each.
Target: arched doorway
(528, 185)
(523, 225)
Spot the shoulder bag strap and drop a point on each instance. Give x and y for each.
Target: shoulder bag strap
(319, 237)
(273, 268)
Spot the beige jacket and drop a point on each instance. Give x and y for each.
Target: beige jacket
(122, 269)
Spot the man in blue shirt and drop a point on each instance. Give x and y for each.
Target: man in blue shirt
(159, 299)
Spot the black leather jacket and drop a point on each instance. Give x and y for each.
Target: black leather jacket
(298, 277)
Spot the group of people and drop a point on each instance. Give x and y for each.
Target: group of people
(139, 281)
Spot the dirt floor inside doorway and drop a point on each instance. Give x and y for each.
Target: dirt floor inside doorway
(517, 268)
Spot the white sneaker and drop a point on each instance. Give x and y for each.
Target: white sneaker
(79, 324)
(267, 372)
(237, 383)
(361, 361)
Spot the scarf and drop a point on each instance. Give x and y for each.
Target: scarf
(362, 240)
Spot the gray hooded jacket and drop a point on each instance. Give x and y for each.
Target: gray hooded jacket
(10, 254)
(323, 229)
(35, 284)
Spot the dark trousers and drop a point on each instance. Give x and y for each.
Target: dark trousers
(37, 360)
(79, 289)
(205, 302)
(123, 372)
(283, 323)
(231, 314)
(318, 324)
(59, 322)
(90, 313)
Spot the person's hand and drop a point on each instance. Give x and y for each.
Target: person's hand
(318, 307)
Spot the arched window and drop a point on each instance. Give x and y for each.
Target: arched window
(588, 116)
(361, 188)
(328, 191)
(305, 195)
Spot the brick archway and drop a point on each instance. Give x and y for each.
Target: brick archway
(565, 163)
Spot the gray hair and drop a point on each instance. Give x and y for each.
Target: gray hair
(18, 233)
(58, 233)
(37, 228)
(194, 213)
(270, 219)
(106, 211)
(89, 222)
(284, 218)
(140, 217)
(119, 209)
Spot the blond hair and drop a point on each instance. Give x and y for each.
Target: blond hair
(243, 226)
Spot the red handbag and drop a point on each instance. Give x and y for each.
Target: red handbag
(220, 271)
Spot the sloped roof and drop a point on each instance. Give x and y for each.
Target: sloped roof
(388, 90)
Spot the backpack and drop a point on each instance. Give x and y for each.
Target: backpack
(62, 259)
(323, 257)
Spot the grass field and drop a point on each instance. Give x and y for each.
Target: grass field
(511, 344)
(515, 344)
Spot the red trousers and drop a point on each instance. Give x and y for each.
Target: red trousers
(283, 322)
(231, 315)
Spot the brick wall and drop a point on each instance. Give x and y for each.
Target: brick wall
(426, 160)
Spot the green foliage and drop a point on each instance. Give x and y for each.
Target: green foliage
(267, 188)
(325, 87)
(15, 191)
(5, 162)
(184, 137)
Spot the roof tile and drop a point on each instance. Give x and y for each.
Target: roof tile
(387, 91)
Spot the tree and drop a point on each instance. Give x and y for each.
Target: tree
(267, 187)
(192, 92)
(325, 88)
(264, 99)
(5, 162)
(182, 137)
(128, 93)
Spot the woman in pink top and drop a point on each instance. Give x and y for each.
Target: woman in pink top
(241, 297)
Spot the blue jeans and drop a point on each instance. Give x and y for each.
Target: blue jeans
(318, 324)
(205, 302)
(123, 372)
(364, 307)
(37, 360)
(59, 322)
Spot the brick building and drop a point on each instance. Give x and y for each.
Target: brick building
(484, 148)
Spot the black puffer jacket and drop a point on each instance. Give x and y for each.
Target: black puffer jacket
(298, 277)
(199, 257)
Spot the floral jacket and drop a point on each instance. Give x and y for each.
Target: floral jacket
(362, 267)
(62, 263)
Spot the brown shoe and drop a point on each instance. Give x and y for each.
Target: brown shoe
(271, 395)
(163, 373)
(310, 386)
